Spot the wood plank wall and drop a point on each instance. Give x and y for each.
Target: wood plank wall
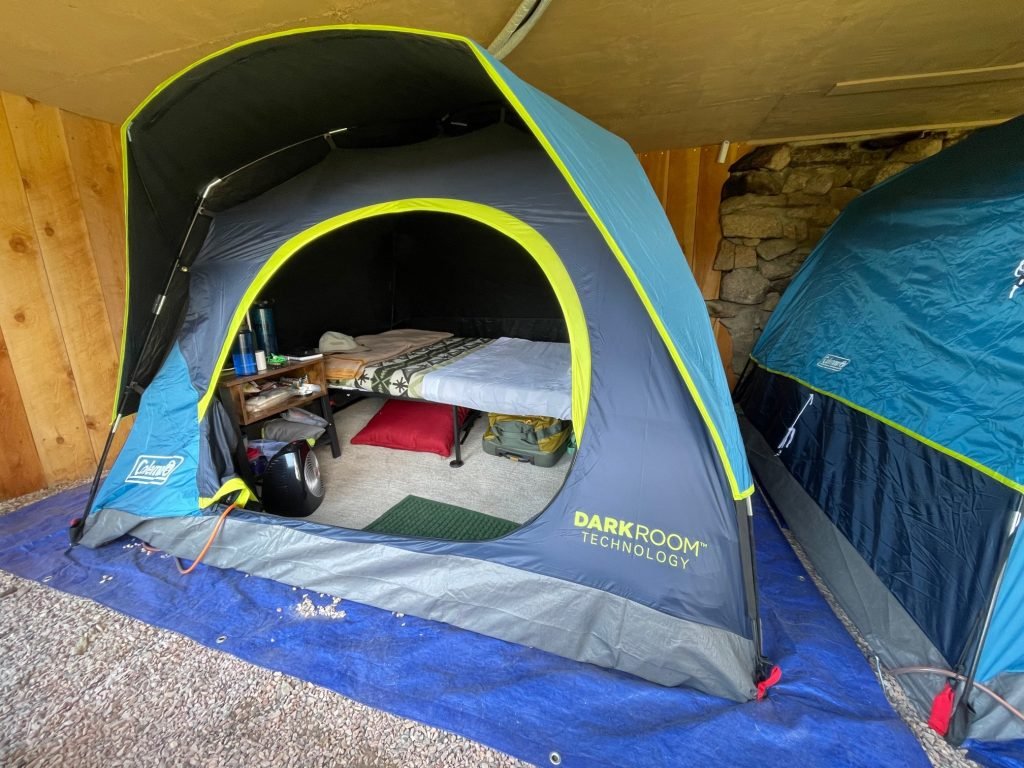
(61, 292)
(688, 183)
(62, 280)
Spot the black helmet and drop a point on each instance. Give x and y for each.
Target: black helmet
(292, 486)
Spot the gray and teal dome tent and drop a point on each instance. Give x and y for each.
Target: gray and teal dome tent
(885, 402)
(642, 561)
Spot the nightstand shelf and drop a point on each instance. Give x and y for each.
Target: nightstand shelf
(234, 396)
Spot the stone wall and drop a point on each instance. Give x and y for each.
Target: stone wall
(777, 203)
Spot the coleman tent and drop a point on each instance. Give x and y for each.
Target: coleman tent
(887, 410)
(642, 561)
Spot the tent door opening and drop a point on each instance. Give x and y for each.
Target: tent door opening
(437, 291)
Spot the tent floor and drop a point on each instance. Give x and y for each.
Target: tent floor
(366, 481)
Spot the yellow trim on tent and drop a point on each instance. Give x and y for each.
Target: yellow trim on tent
(737, 492)
(496, 77)
(522, 233)
(127, 272)
(231, 486)
(998, 477)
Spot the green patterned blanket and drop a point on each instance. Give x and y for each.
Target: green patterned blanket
(402, 376)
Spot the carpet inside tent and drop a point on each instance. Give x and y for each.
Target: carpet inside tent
(828, 709)
(361, 482)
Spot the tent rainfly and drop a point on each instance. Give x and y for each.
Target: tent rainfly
(886, 412)
(642, 562)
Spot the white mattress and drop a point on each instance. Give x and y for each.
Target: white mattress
(511, 376)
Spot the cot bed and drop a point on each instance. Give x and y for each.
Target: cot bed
(505, 375)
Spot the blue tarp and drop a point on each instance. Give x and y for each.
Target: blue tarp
(827, 711)
(996, 754)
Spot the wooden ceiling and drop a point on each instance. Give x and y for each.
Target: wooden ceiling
(661, 73)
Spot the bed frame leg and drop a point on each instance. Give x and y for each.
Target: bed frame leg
(457, 462)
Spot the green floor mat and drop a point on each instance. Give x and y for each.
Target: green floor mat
(413, 516)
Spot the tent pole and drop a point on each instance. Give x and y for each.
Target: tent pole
(959, 720)
(745, 517)
(77, 526)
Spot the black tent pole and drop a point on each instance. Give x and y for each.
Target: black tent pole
(745, 516)
(77, 526)
(958, 722)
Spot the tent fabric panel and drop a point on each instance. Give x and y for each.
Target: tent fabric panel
(461, 276)
(558, 616)
(217, 476)
(645, 418)
(155, 472)
(264, 88)
(932, 252)
(434, 271)
(887, 627)
(612, 185)
(1004, 647)
(144, 281)
(991, 722)
(647, 460)
(923, 522)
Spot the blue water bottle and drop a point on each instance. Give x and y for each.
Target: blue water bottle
(243, 356)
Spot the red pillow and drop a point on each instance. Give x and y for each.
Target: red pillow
(411, 425)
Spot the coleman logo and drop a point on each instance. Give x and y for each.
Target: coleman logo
(833, 363)
(1018, 279)
(638, 540)
(153, 470)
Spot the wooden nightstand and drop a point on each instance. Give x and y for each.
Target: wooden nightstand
(234, 399)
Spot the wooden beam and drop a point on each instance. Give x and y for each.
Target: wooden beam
(680, 206)
(708, 222)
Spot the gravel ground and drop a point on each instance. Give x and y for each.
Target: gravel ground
(82, 685)
(113, 691)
